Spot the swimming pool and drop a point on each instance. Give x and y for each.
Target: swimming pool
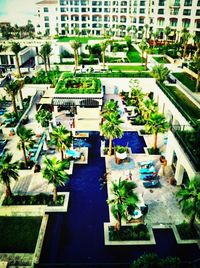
(132, 140)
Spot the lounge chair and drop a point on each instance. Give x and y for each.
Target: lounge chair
(151, 176)
(147, 170)
(151, 183)
(145, 163)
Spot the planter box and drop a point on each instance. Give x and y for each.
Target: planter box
(131, 242)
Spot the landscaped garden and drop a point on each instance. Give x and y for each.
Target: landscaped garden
(78, 86)
(19, 234)
(186, 80)
(161, 60)
(133, 55)
(82, 39)
(121, 68)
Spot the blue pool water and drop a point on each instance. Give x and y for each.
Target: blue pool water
(76, 238)
(131, 139)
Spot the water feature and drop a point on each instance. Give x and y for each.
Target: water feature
(76, 238)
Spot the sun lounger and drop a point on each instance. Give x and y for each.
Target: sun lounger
(145, 163)
(151, 183)
(148, 170)
(148, 176)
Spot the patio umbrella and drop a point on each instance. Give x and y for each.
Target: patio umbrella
(48, 136)
(45, 148)
(50, 128)
(54, 120)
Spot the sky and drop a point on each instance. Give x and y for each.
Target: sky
(17, 11)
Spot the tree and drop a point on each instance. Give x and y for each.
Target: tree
(12, 89)
(26, 141)
(43, 117)
(29, 28)
(103, 46)
(54, 173)
(136, 93)
(135, 30)
(160, 73)
(109, 107)
(156, 124)
(190, 199)
(123, 199)
(45, 53)
(75, 46)
(147, 107)
(167, 32)
(111, 129)
(16, 48)
(185, 36)
(146, 27)
(62, 139)
(8, 171)
(144, 48)
(6, 31)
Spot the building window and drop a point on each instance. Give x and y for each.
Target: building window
(187, 12)
(198, 24)
(188, 3)
(142, 3)
(186, 23)
(141, 20)
(161, 3)
(161, 22)
(173, 22)
(174, 11)
(160, 11)
(46, 18)
(198, 12)
(62, 2)
(198, 3)
(62, 9)
(46, 25)
(142, 10)
(46, 9)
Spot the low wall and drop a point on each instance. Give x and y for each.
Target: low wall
(190, 72)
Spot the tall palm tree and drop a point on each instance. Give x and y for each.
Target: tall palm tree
(111, 128)
(54, 173)
(26, 141)
(75, 46)
(12, 89)
(123, 199)
(109, 107)
(167, 32)
(8, 171)
(189, 199)
(62, 139)
(16, 48)
(156, 124)
(144, 48)
(185, 36)
(45, 53)
(136, 93)
(160, 73)
(147, 107)
(103, 46)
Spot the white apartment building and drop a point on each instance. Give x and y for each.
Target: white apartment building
(117, 17)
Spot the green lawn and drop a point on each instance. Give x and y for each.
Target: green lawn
(133, 55)
(19, 234)
(187, 105)
(80, 39)
(127, 68)
(161, 60)
(186, 80)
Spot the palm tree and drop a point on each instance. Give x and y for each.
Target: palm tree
(75, 46)
(44, 53)
(189, 199)
(103, 46)
(156, 124)
(123, 199)
(185, 36)
(109, 107)
(54, 173)
(8, 171)
(167, 32)
(62, 139)
(144, 48)
(146, 27)
(160, 73)
(12, 89)
(26, 141)
(136, 93)
(147, 107)
(16, 48)
(111, 129)
(155, 36)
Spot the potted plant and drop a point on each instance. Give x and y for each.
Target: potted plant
(120, 153)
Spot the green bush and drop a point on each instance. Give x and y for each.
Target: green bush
(187, 231)
(40, 199)
(120, 149)
(127, 233)
(153, 151)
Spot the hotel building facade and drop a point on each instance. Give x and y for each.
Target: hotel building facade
(117, 17)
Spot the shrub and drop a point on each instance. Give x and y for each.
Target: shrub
(187, 231)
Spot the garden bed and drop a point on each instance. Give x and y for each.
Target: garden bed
(161, 60)
(78, 86)
(126, 68)
(127, 233)
(19, 234)
(187, 231)
(40, 199)
(186, 80)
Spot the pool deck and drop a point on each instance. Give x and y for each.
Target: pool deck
(163, 206)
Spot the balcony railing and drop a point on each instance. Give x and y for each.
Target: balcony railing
(189, 139)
